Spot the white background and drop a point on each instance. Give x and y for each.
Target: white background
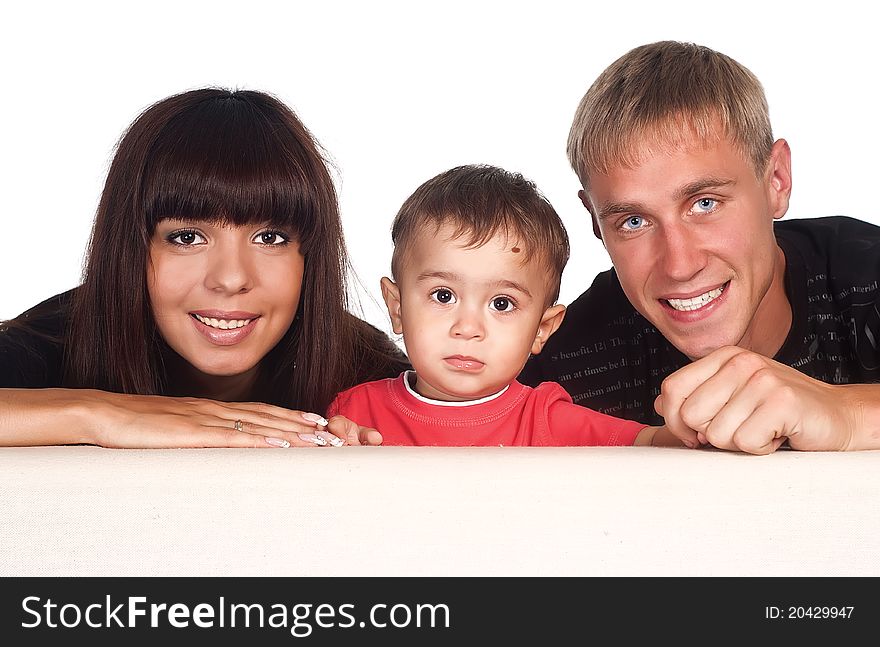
(397, 92)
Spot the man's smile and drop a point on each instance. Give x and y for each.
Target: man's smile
(696, 302)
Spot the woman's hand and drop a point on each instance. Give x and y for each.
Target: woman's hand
(158, 421)
(85, 416)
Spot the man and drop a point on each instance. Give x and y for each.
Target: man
(738, 330)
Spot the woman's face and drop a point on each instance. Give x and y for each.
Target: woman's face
(223, 295)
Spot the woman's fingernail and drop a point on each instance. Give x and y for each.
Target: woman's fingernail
(336, 441)
(314, 417)
(277, 442)
(312, 438)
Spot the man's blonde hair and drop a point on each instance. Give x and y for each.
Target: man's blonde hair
(656, 97)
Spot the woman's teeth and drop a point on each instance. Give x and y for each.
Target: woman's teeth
(222, 324)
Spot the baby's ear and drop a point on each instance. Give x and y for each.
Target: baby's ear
(391, 294)
(550, 322)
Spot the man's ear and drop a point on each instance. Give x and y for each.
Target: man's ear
(778, 178)
(586, 202)
(550, 322)
(391, 294)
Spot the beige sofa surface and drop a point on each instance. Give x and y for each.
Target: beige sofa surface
(75, 511)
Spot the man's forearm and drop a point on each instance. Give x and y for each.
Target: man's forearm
(863, 400)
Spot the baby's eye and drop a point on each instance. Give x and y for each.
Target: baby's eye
(443, 295)
(502, 304)
(706, 204)
(271, 238)
(185, 237)
(633, 222)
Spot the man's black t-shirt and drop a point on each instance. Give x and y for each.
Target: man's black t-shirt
(610, 358)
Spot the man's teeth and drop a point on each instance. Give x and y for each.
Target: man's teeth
(222, 324)
(696, 302)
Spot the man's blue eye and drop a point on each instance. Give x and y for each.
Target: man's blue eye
(706, 204)
(633, 222)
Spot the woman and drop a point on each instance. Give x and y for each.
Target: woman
(215, 273)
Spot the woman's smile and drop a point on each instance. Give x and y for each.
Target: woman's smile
(224, 329)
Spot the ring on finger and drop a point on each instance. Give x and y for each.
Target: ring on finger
(237, 426)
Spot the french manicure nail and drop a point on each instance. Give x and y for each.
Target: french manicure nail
(314, 417)
(336, 441)
(277, 442)
(312, 438)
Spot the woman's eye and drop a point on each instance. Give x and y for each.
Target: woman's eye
(706, 204)
(502, 304)
(186, 238)
(271, 238)
(633, 222)
(442, 295)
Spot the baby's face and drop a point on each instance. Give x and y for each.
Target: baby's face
(469, 317)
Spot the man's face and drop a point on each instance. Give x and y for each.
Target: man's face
(690, 233)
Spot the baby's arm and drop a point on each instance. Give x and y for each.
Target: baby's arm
(658, 437)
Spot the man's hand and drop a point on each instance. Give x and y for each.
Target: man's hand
(740, 400)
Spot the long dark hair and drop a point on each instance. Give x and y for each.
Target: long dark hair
(244, 157)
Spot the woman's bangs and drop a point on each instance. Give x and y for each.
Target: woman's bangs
(223, 162)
